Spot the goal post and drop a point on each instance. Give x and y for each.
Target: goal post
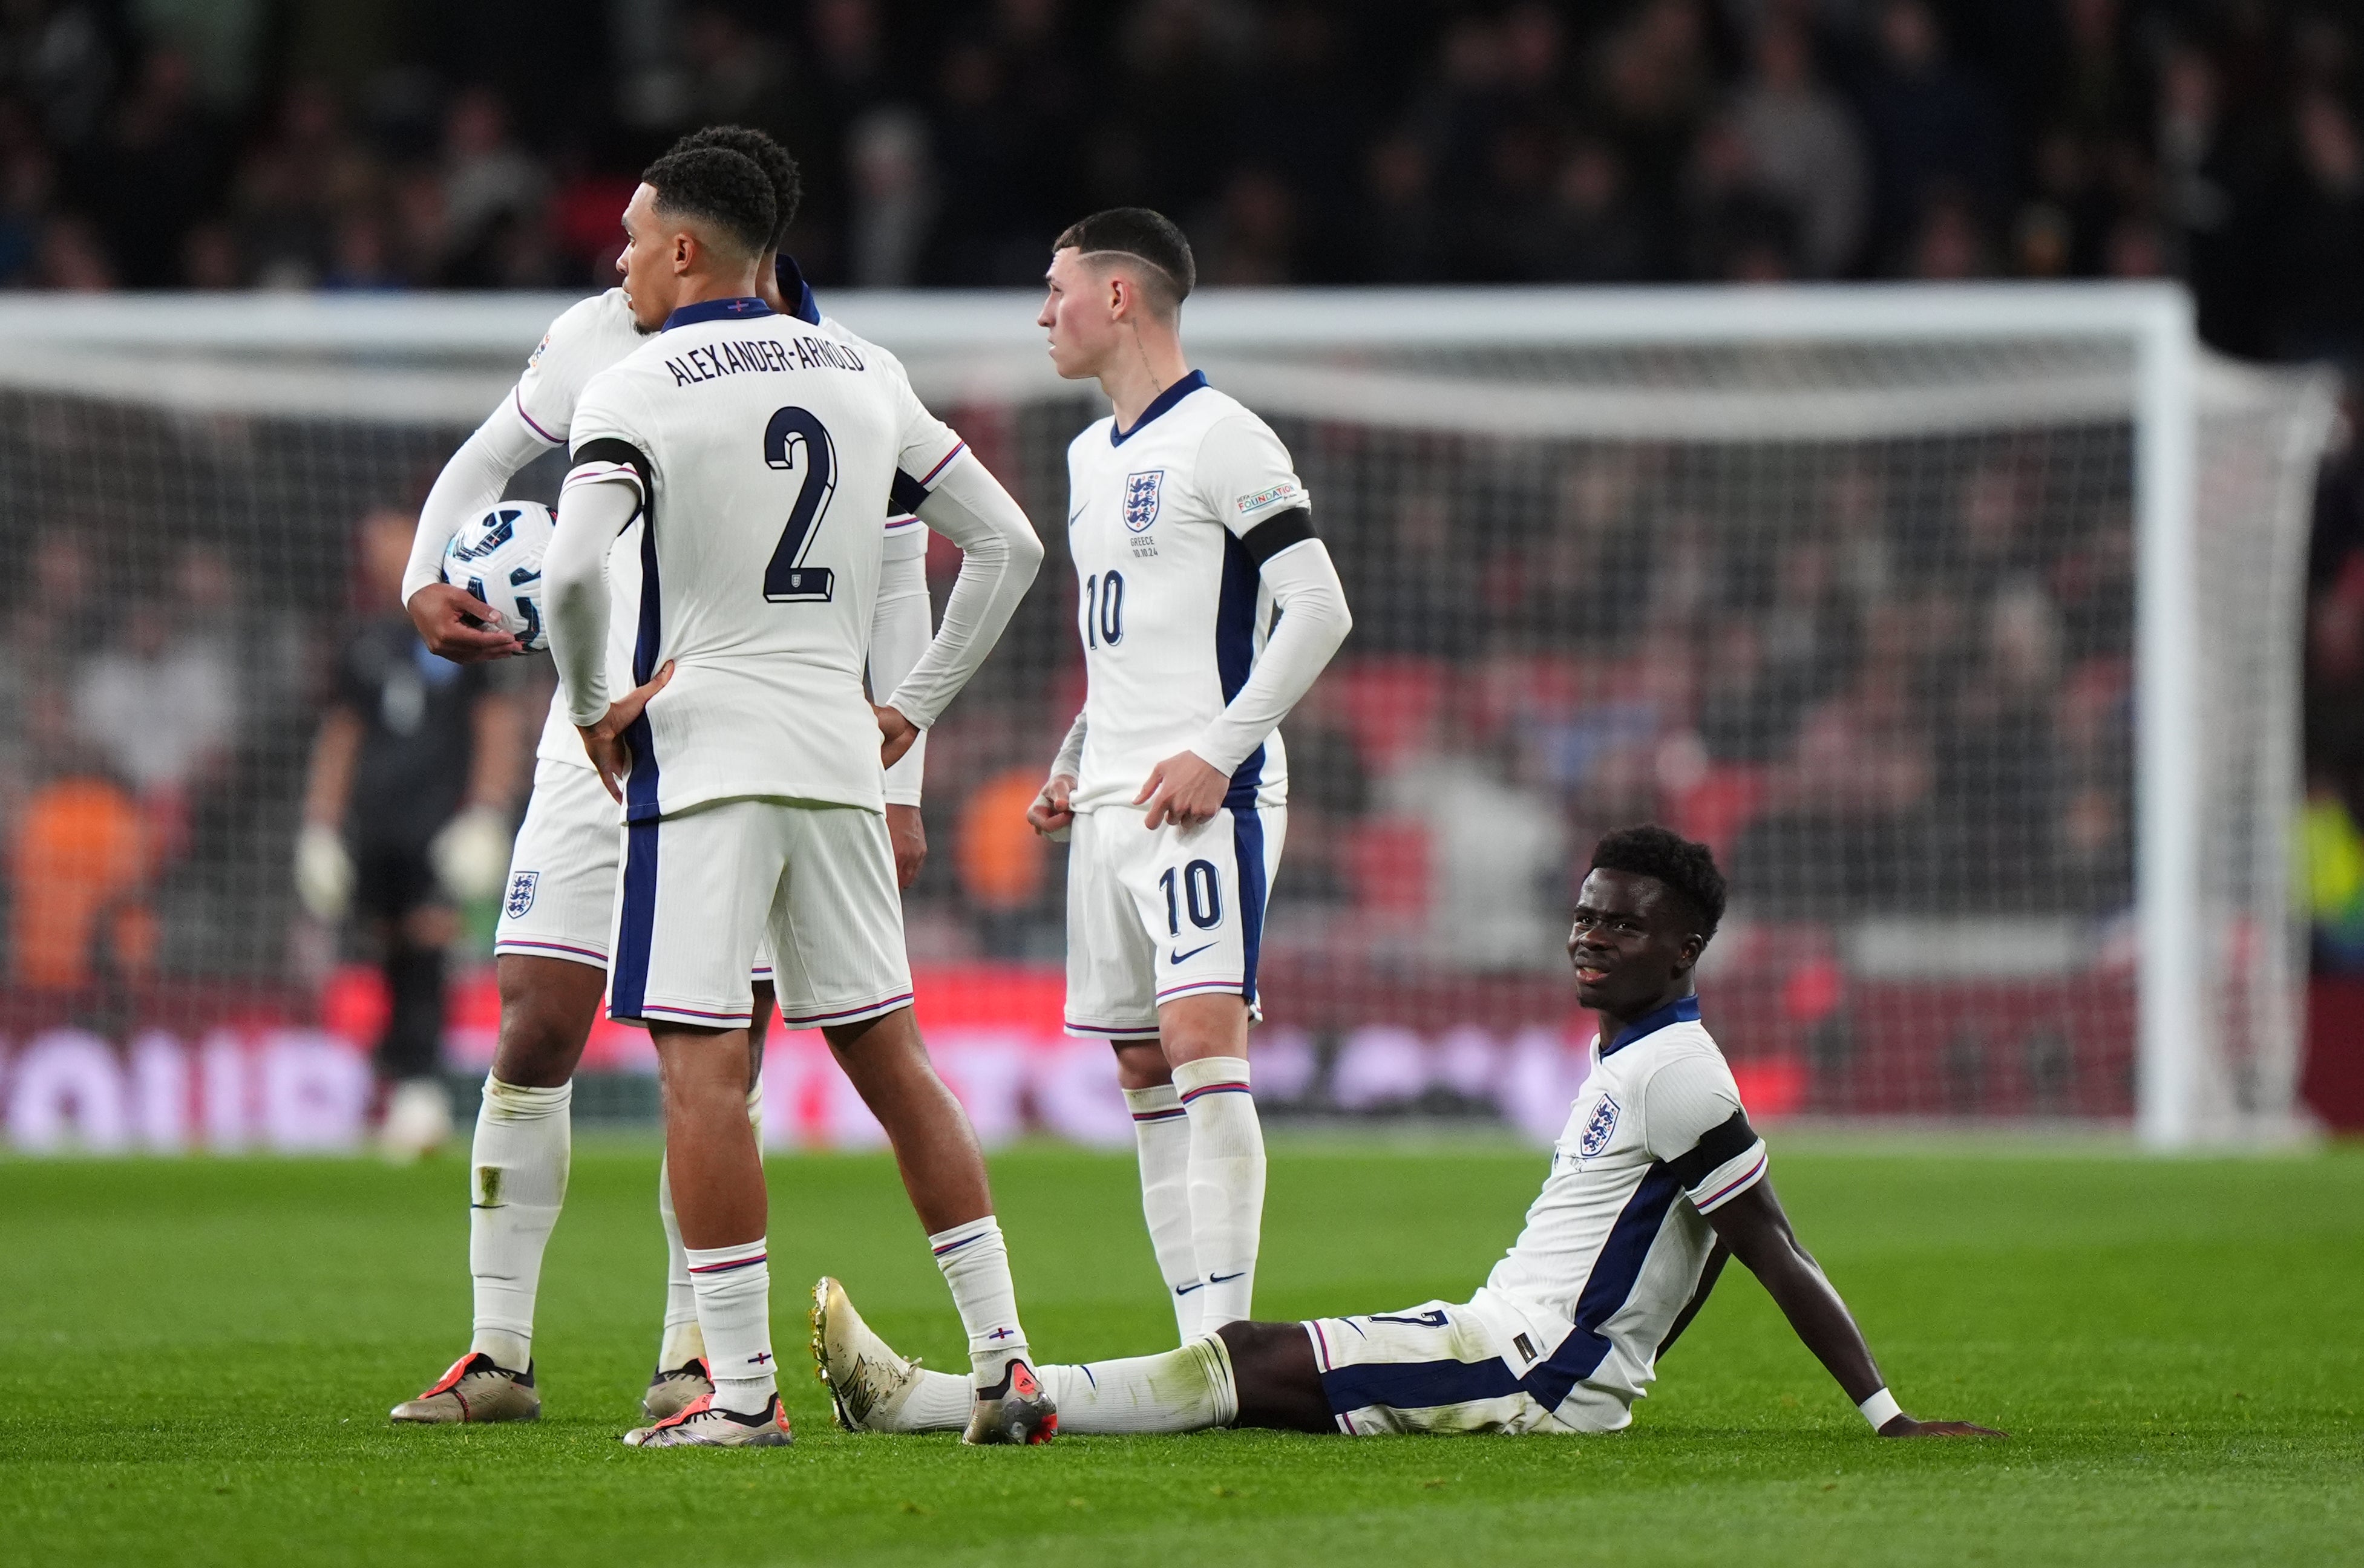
(1964, 620)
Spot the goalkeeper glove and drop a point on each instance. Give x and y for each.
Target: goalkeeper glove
(324, 872)
(471, 855)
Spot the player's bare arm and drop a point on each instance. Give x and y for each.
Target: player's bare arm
(1709, 1275)
(1754, 1226)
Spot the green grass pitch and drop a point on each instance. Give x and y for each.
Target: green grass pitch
(196, 1358)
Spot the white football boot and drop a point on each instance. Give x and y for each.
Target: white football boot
(704, 1426)
(672, 1391)
(475, 1390)
(867, 1382)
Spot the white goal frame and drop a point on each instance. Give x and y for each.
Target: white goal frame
(395, 356)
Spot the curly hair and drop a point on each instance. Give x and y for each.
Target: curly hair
(718, 186)
(1146, 236)
(788, 180)
(1687, 869)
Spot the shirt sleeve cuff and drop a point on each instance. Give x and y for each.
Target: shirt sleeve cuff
(1731, 1179)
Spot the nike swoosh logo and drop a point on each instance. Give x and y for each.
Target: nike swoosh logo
(1226, 1279)
(1187, 1289)
(1184, 957)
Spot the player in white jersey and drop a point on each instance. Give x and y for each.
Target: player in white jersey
(1208, 608)
(552, 947)
(757, 452)
(1655, 1180)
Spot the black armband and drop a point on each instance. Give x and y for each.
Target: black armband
(1728, 1139)
(609, 448)
(904, 496)
(1276, 533)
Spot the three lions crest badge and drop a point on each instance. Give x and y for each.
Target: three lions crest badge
(1142, 494)
(1599, 1128)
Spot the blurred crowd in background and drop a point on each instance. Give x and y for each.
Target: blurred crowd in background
(1540, 654)
(490, 143)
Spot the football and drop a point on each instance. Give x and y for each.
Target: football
(497, 559)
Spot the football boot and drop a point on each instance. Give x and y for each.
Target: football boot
(867, 1382)
(1015, 1410)
(475, 1390)
(671, 1393)
(703, 1425)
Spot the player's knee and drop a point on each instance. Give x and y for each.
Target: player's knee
(546, 1017)
(1141, 1064)
(1195, 1028)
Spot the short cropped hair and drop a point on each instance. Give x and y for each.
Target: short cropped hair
(717, 186)
(1687, 869)
(788, 180)
(1145, 236)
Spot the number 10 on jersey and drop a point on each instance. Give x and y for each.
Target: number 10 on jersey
(796, 438)
(1103, 609)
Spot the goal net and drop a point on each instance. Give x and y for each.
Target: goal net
(1962, 624)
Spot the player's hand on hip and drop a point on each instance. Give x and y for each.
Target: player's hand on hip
(1051, 815)
(895, 735)
(442, 613)
(603, 741)
(1903, 1426)
(909, 837)
(1185, 789)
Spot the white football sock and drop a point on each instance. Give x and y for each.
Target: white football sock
(734, 1313)
(976, 1262)
(1161, 1131)
(518, 1182)
(681, 1343)
(940, 1403)
(1175, 1391)
(1226, 1183)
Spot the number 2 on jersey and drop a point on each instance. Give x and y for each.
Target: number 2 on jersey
(796, 438)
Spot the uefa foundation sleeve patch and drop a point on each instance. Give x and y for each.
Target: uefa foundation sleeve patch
(1286, 493)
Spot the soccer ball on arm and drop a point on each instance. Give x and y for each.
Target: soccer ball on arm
(497, 559)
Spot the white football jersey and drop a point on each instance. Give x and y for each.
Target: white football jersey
(765, 448)
(585, 339)
(1173, 612)
(1615, 1242)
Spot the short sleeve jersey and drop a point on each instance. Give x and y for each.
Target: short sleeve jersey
(1172, 611)
(585, 339)
(1616, 1240)
(764, 449)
